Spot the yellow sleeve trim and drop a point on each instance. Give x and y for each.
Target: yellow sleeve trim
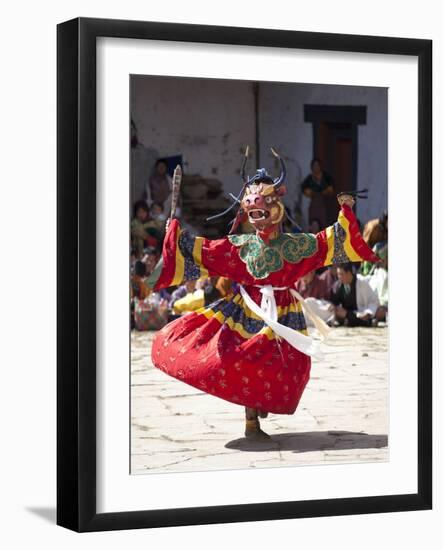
(330, 241)
(179, 263)
(350, 252)
(197, 254)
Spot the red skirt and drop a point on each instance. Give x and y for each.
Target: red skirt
(211, 350)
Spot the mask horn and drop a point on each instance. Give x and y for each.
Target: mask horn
(236, 199)
(278, 181)
(243, 167)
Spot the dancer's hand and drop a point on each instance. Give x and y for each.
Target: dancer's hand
(346, 199)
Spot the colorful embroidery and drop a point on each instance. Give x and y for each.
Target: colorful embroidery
(233, 313)
(340, 256)
(186, 243)
(262, 258)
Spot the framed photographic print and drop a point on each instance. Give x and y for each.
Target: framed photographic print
(233, 344)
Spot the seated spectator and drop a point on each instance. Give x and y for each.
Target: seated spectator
(151, 313)
(316, 294)
(142, 231)
(224, 286)
(210, 289)
(376, 230)
(139, 289)
(312, 285)
(133, 259)
(355, 302)
(378, 279)
(160, 186)
(329, 276)
(158, 216)
(205, 292)
(367, 268)
(190, 302)
(181, 291)
(149, 310)
(150, 258)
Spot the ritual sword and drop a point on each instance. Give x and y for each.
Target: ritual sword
(176, 182)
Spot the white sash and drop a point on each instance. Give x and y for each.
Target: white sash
(269, 313)
(319, 324)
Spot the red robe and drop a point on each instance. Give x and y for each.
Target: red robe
(226, 350)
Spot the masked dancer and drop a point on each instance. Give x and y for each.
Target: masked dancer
(251, 347)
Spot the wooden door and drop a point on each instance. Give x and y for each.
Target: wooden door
(335, 145)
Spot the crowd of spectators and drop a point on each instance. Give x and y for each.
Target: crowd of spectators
(152, 310)
(342, 295)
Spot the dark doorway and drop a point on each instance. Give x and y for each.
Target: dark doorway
(335, 139)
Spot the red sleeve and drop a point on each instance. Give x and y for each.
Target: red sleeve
(186, 257)
(343, 243)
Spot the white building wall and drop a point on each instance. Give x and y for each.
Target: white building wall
(281, 108)
(208, 121)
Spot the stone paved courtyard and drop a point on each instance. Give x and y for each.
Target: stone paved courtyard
(342, 416)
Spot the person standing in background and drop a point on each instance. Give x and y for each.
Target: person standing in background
(319, 187)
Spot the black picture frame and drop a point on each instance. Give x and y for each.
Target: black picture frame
(76, 263)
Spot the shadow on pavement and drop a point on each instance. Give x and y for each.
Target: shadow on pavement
(305, 442)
